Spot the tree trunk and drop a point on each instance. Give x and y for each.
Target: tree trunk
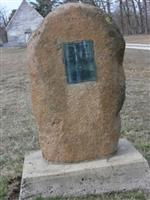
(108, 7)
(103, 5)
(127, 11)
(146, 17)
(121, 15)
(141, 16)
(135, 16)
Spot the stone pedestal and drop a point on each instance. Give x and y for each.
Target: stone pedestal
(127, 170)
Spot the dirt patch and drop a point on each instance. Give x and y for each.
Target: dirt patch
(14, 188)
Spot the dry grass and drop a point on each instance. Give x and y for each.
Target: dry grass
(141, 39)
(18, 129)
(136, 111)
(116, 196)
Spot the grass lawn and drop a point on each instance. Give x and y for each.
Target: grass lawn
(18, 129)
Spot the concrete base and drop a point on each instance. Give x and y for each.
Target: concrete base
(127, 170)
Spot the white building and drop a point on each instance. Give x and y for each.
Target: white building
(23, 23)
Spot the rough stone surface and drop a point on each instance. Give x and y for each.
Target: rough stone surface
(127, 170)
(77, 121)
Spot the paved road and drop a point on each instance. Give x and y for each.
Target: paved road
(138, 46)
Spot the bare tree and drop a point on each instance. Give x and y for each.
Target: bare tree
(12, 14)
(108, 3)
(71, 1)
(45, 6)
(3, 17)
(91, 2)
(132, 16)
(104, 5)
(139, 3)
(121, 15)
(101, 4)
(146, 16)
(127, 16)
(135, 17)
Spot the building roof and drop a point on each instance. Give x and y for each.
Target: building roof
(23, 4)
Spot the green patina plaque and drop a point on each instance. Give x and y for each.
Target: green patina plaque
(79, 61)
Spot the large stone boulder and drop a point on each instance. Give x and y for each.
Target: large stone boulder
(78, 115)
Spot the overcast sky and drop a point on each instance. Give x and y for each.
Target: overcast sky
(11, 4)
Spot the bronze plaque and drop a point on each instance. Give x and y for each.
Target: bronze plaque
(79, 61)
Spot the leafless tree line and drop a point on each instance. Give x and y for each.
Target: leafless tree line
(3, 17)
(132, 16)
